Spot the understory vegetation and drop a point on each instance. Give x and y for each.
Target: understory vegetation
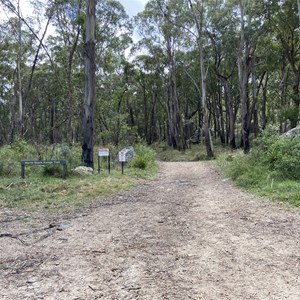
(271, 169)
(44, 188)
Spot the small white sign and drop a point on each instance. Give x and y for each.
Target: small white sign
(122, 156)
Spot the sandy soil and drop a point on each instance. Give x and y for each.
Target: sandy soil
(188, 234)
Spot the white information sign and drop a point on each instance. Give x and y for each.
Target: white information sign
(122, 156)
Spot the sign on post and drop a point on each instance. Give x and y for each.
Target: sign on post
(125, 155)
(122, 156)
(103, 152)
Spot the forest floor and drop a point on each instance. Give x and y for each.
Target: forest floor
(187, 234)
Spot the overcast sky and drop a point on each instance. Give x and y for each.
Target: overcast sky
(133, 6)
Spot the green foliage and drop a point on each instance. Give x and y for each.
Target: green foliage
(280, 154)
(289, 113)
(144, 157)
(266, 139)
(272, 168)
(194, 153)
(245, 170)
(72, 154)
(283, 157)
(56, 194)
(11, 155)
(52, 170)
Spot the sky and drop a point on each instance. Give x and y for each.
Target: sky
(133, 6)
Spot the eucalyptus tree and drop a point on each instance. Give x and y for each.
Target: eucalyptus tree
(14, 66)
(30, 34)
(67, 51)
(250, 18)
(156, 27)
(198, 15)
(150, 94)
(15, 8)
(90, 84)
(285, 23)
(114, 108)
(222, 37)
(8, 84)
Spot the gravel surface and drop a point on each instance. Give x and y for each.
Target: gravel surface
(188, 234)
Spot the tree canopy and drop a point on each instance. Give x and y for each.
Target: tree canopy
(180, 71)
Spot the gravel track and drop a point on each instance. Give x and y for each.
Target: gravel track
(188, 234)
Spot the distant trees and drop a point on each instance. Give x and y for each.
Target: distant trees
(211, 70)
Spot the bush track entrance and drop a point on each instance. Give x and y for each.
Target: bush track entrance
(188, 234)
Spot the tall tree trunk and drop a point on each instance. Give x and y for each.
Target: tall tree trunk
(298, 2)
(230, 113)
(296, 100)
(264, 104)
(176, 136)
(153, 129)
(198, 18)
(255, 92)
(90, 90)
(220, 118)
(19, 61)
(206, 128)
(70, 99)
(243, 70)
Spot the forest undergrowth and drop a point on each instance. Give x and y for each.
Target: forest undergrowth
(271, 169)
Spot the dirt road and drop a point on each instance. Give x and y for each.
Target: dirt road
(188, 234)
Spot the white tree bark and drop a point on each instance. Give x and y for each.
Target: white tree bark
(90, 90)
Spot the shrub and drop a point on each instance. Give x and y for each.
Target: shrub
(52, 170)
(271, 154)
(265, 140)
(144, 157)
(284, 157)
(245, 170)
(140, 162)
(10, 162)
